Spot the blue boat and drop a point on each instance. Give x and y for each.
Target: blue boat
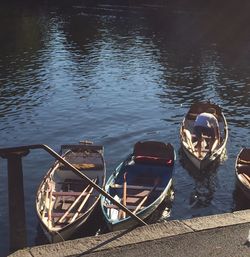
(141, 183)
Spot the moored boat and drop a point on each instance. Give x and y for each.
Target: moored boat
(141, 183)
(242, 171)
(65, 200)
(189, 141)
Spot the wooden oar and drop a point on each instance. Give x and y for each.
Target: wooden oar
(146, 197)
(73, 204)
(137, 187)
(82, 204)
(124, 200)
(122, 214)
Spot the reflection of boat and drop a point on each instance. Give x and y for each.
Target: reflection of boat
(188, 139)
(242, 170)
(140, 183)
(204, 182)
(64, 199)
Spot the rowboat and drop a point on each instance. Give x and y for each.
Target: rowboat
(141, 183)
(242, 171)
(189, 140)
(64, 200)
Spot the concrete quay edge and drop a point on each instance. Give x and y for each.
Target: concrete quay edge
(151, 232)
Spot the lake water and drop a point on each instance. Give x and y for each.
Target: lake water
(117, 74)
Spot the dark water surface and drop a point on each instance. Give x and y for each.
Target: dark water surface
(118, 74)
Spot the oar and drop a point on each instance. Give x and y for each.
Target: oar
(146, 197)
(122, 214)
(73, 204)
(83, 203)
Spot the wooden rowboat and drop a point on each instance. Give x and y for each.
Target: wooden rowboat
(242, 171)
(140, 183)
(189, 141)
(64, 200)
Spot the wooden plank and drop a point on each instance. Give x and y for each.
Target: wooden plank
(137, 195)
(70, 182)
(137, 187)
(157, 180)
(124, 199)
(242, 161)
(69, 193)
(73, 204)
(113, 206)
(60, 214)
(82, 204)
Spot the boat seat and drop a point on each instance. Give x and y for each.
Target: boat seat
(244, 162)
(132, 200)
(60, 214)
(203, 136)
(130, 207)
(69, 193)
(139, 194)
(70, 182)
(84, 166)
(138, 187)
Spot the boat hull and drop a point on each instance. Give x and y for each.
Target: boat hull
(148, 182)
(242, 171)
(65, 198)
(244, 189)
(186, 136)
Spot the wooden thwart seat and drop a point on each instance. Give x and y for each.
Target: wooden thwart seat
(130, 207)
(242, 161)
(84, 166)
(138, 187)
(69, 193)
(60, 214)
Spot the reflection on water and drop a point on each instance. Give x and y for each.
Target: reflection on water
(204, 181)
(118, 74)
